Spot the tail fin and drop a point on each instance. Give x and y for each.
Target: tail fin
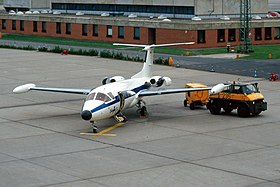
(147, 67)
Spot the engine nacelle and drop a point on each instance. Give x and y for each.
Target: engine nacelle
(158, 81)
(108, 80)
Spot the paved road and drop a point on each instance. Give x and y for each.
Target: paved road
(252, 68)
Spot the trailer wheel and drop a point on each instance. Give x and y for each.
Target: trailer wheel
(185, 103)
(192, 106)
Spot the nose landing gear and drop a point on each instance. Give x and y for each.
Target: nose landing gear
(94, 127)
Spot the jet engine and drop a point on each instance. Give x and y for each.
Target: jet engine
(158, 81)
(108, 80)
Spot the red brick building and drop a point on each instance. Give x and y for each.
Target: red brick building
(141, 30)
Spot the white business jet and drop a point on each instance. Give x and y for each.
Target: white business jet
(117, 93)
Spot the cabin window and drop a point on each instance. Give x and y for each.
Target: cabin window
(111, 95)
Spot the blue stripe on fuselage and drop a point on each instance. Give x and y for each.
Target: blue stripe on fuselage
(105, 105)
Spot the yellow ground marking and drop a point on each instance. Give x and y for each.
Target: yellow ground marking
(96, 134)
(102, 133)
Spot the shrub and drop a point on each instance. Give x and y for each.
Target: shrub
(106, 54)
(56, 49)
(92, 52)
(43, 49)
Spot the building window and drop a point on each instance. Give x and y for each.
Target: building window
(94, 30)
(84, 29)
(121, 32)
(21, 26)
(277, 33)
(109, 31)
(221, 35)
(201, 36)
(118, 9)
(14, 24)
(231, 35)
(4, 24)
(68, 28)
(136, 33)
(58, 28)
(35, 26)
(44, 26)
(268, 33)
(258, 33)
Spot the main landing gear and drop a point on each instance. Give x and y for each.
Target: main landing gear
(142, 109)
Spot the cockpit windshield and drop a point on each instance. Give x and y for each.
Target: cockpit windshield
(102, 97)
(91, 96)
(98, 96)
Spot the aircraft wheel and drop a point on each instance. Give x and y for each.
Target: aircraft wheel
(94, 129)
(143, 111)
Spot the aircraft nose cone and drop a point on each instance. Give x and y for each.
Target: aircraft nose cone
(86, 115)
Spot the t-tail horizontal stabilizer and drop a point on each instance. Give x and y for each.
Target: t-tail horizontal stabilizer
(147, 70)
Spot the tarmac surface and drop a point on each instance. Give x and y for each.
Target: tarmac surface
(41, 144)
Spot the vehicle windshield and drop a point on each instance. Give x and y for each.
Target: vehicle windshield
(248, 89)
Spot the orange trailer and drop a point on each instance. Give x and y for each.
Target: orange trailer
(197, 98)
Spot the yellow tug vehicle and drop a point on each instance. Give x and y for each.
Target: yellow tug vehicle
(245, 97)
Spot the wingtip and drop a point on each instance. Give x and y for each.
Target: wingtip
(23, 88)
